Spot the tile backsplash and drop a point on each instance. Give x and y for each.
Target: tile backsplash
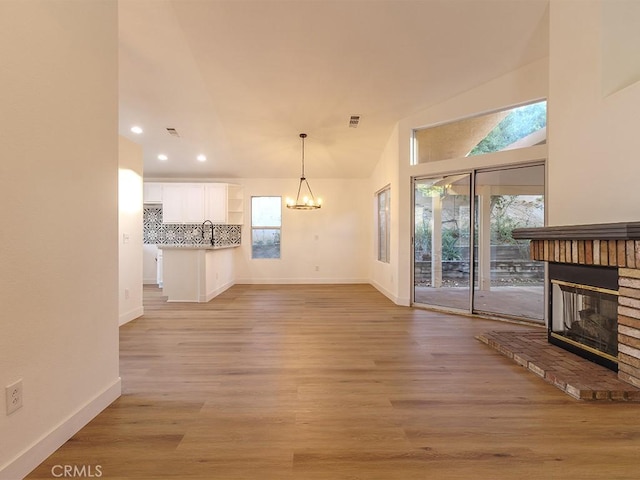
(158, 233)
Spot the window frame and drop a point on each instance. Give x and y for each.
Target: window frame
(383, 218)
(415, 144)
(266, 227)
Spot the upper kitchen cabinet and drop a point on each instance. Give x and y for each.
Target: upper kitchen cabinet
(224, 203)
(197, 202)
(152, 193)
(183, 203)
(215, 202)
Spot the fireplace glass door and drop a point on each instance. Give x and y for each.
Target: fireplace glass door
(585, 317)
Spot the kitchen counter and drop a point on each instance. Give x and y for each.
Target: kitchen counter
(178, 246)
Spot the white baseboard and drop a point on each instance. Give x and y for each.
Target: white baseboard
(384, 291)
(300, 281)
(33, 456)
(404, 302)
(131, 315)
(216, 292)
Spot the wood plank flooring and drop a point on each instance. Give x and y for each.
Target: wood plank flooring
(336, 382)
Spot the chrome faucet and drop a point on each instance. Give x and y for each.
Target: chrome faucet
(203, 225)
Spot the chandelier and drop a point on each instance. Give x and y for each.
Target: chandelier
(308, 201)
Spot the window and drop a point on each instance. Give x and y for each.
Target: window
(266, 221)
(383, 225)
(508, 129)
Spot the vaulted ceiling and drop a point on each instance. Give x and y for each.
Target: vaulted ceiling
(240, 80)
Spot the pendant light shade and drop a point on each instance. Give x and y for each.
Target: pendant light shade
(308, 201)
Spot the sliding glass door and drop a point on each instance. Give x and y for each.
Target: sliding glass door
(506, 281)
(442, 209)
(449, 253)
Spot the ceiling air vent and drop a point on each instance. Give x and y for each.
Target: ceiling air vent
(173, 132)
(354, 121)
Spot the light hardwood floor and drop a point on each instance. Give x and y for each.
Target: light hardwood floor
(336, 382)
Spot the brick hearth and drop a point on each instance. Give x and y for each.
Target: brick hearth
(580, 378)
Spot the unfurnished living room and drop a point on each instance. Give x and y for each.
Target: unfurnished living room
(300, 239)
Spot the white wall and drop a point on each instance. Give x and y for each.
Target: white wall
(336, 238)
(58, 244)
(524, 85)
(593, 167)
(384, 275)
(130, 230)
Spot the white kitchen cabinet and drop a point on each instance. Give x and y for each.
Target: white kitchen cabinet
(215, 208)
(152, 193)
(224, 203)
(183, 203)
(194, 204)
(197, 202)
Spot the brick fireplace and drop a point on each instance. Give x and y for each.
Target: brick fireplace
(614, 246)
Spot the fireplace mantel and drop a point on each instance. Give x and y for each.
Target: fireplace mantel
(606, 244)
(598, 231)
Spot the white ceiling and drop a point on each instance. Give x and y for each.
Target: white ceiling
(239, 80)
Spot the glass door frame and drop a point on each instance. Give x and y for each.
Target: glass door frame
(472, 202)
(473, 248)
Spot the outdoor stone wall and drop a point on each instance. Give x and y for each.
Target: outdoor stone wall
(510, 264)
(502, 271)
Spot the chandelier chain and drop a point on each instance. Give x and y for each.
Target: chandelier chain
(303, 136)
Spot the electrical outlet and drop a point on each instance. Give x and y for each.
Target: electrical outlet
(14, 396)
(126, 294)
(317, 268)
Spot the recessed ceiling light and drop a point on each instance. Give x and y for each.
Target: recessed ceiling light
(136, 129)
(162, 156)
(202, 158)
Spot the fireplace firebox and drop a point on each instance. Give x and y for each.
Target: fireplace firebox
(584, 311)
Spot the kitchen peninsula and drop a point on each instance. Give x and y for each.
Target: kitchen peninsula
(191, 230)
(196, 273)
